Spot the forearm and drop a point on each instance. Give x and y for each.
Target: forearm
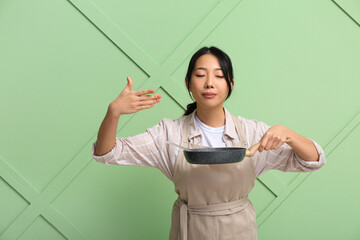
(107, 134)
(303, 146)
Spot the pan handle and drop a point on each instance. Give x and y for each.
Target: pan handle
(252, 150)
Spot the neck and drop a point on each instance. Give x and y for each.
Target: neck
(211, 117)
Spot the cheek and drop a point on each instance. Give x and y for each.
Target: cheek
(195, 86)
(224, 89)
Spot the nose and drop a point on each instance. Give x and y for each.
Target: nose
(209, 82)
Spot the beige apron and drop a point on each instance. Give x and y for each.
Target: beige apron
(213, 199)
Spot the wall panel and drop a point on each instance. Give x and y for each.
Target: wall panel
(63, 62)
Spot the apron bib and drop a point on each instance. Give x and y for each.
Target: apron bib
(213, 199)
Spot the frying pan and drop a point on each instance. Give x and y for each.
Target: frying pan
(218, 155)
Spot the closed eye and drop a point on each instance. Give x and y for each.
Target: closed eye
(204, 75)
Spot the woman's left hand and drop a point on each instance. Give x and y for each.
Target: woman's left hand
(273, 138)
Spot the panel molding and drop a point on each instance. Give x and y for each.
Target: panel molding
(40, 202)
(347, 11)
(273, 183)
(116, 35)
(13, 178)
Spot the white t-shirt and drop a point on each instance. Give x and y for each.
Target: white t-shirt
(212, 137)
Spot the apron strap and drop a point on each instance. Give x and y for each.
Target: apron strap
(185, 131)
(240, 131)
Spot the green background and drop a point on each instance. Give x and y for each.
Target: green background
(62, 62)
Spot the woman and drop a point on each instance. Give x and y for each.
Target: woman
(212, 202)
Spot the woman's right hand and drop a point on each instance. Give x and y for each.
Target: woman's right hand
(133, 101)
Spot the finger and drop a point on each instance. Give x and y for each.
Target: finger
(264, 141)
(149, 102)
(144, 92)
(269, 142)
(275, 143)
(129, 84)
(143, 107)
(150, 97)
(280, 143)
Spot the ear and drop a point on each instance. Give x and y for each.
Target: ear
(232, 85)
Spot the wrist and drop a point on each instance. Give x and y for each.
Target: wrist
(111, 113)
(290, 136)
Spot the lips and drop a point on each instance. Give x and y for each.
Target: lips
(209, 95)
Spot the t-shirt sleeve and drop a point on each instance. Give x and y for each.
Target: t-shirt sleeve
(147, 149)
(284, 159)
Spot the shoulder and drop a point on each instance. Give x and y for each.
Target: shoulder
(170, 122)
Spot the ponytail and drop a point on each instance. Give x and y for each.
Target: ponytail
(190, 108)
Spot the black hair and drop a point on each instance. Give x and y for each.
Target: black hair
(225, 64)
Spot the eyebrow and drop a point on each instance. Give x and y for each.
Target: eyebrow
(202, 68)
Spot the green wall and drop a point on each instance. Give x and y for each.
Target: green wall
(62, 62)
